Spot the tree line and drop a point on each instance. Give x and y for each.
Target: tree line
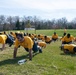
(19, 23)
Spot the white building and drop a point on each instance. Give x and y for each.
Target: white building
(29, 29)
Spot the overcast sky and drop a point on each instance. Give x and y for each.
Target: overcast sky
(45, 9)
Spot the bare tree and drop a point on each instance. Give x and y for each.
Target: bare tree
(2, 21)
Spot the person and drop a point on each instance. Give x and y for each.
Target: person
(40, 37)
(9, 40)
(68, 48)
(47, 39)
(31, 36)
(65, 30)
(13, 35)
(35, 35)
(54, 37)
(62, 36)
(27, 43)
(3, 39)
(75, 39)
(68, 39)
(41, 44)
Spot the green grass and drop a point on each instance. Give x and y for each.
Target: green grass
(51, 62)
(51, 31)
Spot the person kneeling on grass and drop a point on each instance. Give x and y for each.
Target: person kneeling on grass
(41, 44)
(47, 39)
(27, 43)
(54, 37)
(68, 48)
(68, 39)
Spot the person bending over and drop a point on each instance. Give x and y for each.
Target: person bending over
(68, 48)
(27, 43)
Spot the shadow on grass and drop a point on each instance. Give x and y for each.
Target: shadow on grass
(70, 54)
(34, 54)
(14, 61)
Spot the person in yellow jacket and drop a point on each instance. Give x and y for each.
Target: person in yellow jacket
(3, 39)
(35, 35)
(40, 37)
(31, 36)
(75, 39)
(62, 36)
(42, 44)
(68, 48)
(47, 39)
(13, 34)
(67, 39)
(55, 36)
(27, 43)
(65, 30)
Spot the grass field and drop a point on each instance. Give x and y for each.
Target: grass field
(51, 31)
(51, 62)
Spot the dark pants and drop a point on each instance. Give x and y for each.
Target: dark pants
(9, 40)
(67, 42)
(54, 39)
(49, 42)
(35, 48)
(74, 49)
